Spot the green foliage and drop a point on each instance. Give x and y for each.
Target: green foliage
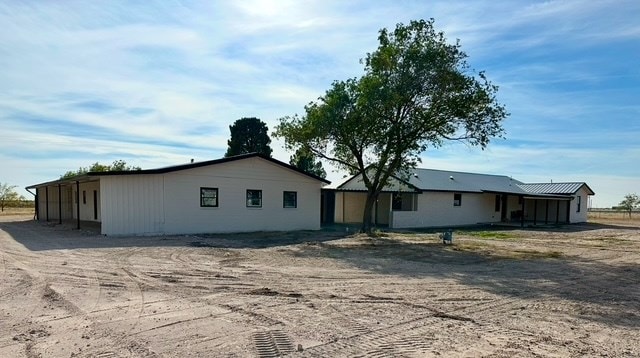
(249, 135)
(8, 194)
(630, 202)
(417, 92)
(306, 161)
(117, 166)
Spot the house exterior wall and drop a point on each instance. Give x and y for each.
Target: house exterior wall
(132, 204)
(170, 203)
(86, 201)
(54, 197)
(579, 216)
(350, 207)
(183, 213)
(435, 209)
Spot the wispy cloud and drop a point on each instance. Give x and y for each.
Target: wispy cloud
(159, 82)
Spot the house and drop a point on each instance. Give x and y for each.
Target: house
(242, 193)
(439, 198)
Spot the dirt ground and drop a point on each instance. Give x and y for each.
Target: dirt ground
(568, 291)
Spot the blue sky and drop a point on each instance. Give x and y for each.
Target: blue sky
(158, 83)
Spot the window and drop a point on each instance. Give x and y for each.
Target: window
(254, 198)
(404, 202)
(84, 196)
(290, 199)
(457, 199)
(497, 207)
(209, 197)
(579, 203)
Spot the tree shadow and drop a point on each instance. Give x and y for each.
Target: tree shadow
(602, 292)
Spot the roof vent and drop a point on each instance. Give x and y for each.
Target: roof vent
(450, 177)
(191, 160)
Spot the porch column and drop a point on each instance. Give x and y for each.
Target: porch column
(522, 213)
(535, 212)
(78, 204)
(546, 212)
(59, 204)
(46, 193)
(558, 212)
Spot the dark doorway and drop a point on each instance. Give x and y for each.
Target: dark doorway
(327, 206)
(503, 212)
(95, 205)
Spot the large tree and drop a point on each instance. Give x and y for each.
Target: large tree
(116, 166)
(306, 161)
(630, 202)
(417, 91)
(249, 135)
(7, 194)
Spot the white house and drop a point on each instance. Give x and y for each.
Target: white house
(438, 198)
(237, 194)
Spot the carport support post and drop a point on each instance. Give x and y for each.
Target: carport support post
(78, 204)
(535, 212)
(46, 193)
(546, 212)
(568, 211)
(522, 212)
(59, 204)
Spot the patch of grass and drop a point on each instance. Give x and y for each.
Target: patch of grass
(492, 235)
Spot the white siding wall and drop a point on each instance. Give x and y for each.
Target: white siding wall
(170, 203)
(579, 217)
(183, 213)
(86, 206)
(132, 204)
(435, 209)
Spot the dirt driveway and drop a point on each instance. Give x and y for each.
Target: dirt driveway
(568, 291)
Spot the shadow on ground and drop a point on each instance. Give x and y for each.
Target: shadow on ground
(38, 236)
(600, 291)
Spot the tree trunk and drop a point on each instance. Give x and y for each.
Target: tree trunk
(368, 210)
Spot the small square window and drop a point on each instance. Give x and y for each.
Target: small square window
(209, 197)
(254, 198)
(290, 199)
(457, 199)
(579, 203)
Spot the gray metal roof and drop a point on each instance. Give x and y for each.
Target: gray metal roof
(451, 181)
(444, 180)
(555, 188)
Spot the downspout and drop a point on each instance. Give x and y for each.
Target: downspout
(35, 201)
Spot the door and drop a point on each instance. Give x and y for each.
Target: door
(95, 205)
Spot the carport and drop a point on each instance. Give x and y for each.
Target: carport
(76, 198)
